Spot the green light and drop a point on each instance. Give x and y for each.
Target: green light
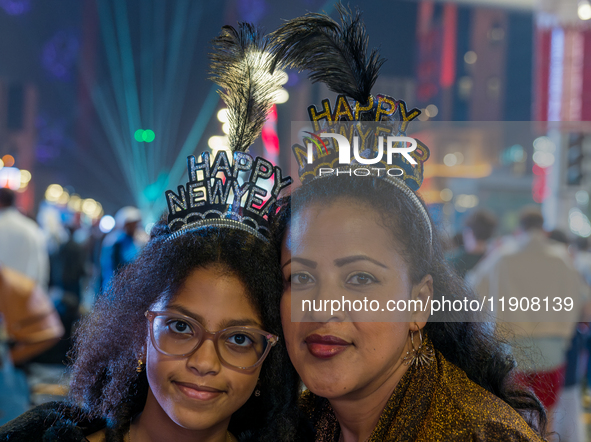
(148, 136)
(142, 135)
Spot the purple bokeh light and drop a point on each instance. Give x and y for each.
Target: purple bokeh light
(50, 138)
(252, 11)
(60, 54)
(15, 7)
(294, 79)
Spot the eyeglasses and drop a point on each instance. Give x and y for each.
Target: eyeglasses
(174, 334)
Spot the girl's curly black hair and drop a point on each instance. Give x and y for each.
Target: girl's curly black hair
(470, 345)
(107, 344)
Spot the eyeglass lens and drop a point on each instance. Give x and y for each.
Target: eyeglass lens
(177, 336)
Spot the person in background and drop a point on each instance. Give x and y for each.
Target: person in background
(582, 260)
(478, 230)
(68, 266)
(559, 236)
(569, 408)
(31, 320)
(535, 267)
(119, 247)
(582, 257)
(29, 325)
(22, 243)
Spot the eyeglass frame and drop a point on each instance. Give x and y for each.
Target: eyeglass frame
(271, 338)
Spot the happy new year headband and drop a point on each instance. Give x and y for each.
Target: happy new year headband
(336, 54)
(232, 193)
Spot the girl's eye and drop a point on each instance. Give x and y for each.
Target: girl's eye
(179, 326)
(302, 278)
(240, 339)
(361, 279)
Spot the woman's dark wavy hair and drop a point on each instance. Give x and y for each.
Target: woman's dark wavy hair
(107, 344)
(470, 345)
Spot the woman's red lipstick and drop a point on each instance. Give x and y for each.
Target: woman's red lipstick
(325, 346)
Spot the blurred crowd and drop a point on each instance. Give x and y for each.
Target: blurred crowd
(553, 358)
(51, 271)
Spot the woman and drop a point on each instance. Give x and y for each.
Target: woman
(180, 346)
(355, 238)
(362, 247)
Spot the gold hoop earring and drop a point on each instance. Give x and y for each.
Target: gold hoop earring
(422, 355)
(257, 392)
(140, 366)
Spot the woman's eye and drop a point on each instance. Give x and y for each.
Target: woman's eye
(240, 339)
(361, 279)
(179, 327)
(302, 278)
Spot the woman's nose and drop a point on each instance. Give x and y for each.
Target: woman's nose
(326, 305)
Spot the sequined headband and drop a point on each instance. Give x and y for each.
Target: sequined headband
(217, 195)
(336, 54)
(386, 116)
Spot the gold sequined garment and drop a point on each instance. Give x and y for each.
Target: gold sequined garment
(432, 403)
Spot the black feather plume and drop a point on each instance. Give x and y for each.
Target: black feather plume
(240, 64)
(336, 54)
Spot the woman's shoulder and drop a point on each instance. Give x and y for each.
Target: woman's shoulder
(459, 405)
(48, 422)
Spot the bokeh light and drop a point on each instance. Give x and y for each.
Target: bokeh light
(450, 159)
(431, 111)
(144, 135)
(281, 96)
(582, 197)
(148, 136)
(584, 10)
(25, 176)
(89, 206)
(8, 160)
(470, 57)
(139, 135)
(64, 198)
(217, 142)
(223, 115)
(53, 192)
(106, 224)
(15, 7)
(578, 223)
(60, 54)
(10, 177)
(75, 203)
(446, 195)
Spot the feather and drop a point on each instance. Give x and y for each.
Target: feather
(240, 65)
(336, 54)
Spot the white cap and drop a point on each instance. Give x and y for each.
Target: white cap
(126, 215)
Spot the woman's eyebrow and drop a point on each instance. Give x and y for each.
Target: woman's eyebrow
(306, 262)
(340, 262)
